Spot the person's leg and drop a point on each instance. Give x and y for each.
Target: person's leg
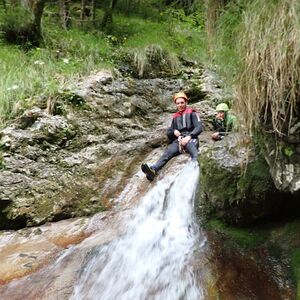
(171, 151)
(151, 171)
(192, 149)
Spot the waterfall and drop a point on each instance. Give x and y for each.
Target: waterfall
(152, 260)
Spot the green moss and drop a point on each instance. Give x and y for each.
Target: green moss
(288, 151)
(77, 200)
(49, 137)
(232, 193)
(43, 208)
(241, 236)
(275, 249)
(71, 98)
(83, 204)
(296, 269)
(256, 178)
(85, 207)
(221, 186)
(280, 240)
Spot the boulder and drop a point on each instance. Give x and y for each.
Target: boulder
(236, 185)
(283, 158)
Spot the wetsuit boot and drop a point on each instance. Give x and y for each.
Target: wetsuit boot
(149, 172)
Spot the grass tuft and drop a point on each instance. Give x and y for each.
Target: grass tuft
(153, 60)
(268, 87)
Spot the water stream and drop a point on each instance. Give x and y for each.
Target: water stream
(152, 251)
(150, 247)
(152, 259)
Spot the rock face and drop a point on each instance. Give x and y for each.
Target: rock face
(72, 155)
(245, 179)
(236, 184)
(284, 161)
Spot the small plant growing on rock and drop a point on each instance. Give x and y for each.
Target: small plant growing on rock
(152, 61)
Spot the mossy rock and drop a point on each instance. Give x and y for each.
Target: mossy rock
(74, 201)
(283, 158)
(235, 182)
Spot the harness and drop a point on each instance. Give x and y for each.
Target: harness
(181, 147)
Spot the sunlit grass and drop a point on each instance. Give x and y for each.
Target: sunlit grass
(224, 53)
(44, 71)
(175, 37)
(163, 42)
(65, 56)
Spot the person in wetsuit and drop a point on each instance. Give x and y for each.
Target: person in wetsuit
(182, 134)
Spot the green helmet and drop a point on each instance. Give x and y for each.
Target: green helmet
(222, 107)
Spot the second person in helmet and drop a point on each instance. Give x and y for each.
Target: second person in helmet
(223, 122)
(182, 134)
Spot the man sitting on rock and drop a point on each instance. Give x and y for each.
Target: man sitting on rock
(223, 122)
(182, 134)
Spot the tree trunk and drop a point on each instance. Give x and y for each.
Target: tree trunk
(82, 11)
(107, 17)
(64, 12)
(36, 28)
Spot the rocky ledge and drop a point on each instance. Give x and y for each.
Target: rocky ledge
(72, 155)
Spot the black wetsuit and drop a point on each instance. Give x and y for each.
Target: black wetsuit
(188, 123)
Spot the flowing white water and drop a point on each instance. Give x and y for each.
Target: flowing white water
(152, 259)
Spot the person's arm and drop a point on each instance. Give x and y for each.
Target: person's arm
(231, 123)
(197, 126)
(218, 125)
(170, 132)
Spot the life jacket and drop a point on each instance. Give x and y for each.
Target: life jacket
(182, 121)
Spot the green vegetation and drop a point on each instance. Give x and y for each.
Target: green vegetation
(256, 178)
(245, 238)
(253, 44)
(159, 37)
(256, 47)
(271, 45)
(238, 188)
(281, 241)
(296, 269)
(42, 72)
(290, 240)
(224, 52)
(1, 161)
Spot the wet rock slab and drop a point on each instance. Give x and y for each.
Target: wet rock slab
(72, 155)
